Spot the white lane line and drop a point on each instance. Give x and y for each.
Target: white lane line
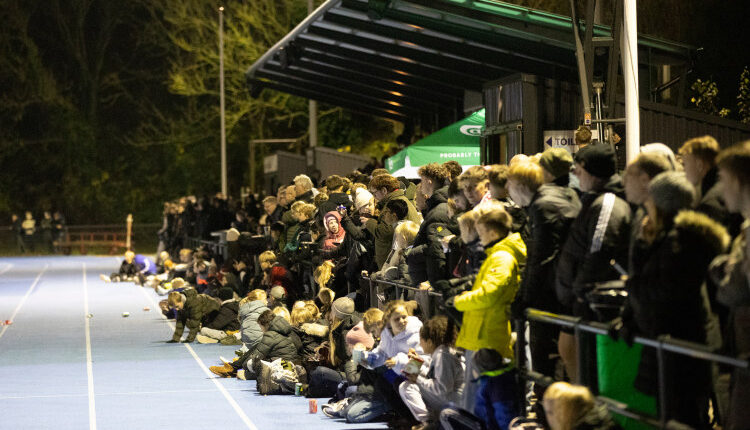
(130, 393)
(208, 373)
(6, 268)
(23, 300)
(89, 364)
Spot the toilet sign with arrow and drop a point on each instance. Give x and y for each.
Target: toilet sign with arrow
(564, 139)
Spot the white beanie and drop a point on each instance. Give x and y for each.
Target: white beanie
(663, 150)
(362, 198)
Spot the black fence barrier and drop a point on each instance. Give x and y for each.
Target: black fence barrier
(662, 344)
(423, 297)
(215, 246)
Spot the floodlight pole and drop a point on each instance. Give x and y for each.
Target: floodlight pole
(221, 104)
(313, 108)
(629, 52)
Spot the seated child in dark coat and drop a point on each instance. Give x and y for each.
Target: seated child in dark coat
(224, 321)
(278, 341)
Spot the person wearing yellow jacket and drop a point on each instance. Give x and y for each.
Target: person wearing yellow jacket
(486, 308)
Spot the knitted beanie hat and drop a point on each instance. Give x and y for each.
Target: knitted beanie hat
(556, 161)
(362, 198)
(671, 192)
(342, 307)
(358, 335)
(599, 160)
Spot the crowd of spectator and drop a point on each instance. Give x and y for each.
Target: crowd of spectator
(476, 248)
(32, 236)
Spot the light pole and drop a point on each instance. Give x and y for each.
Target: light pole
(313, 107)
(629, 52)
(221, 104)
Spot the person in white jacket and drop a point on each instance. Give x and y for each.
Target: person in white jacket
(439, 382)
(401, 333)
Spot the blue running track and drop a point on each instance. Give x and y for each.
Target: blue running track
(62, 370)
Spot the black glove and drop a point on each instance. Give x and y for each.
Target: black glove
(172, 341)
(442, 285)
(449, 302)
(619, 329)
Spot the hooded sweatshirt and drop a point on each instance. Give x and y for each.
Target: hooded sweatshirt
(396, 346)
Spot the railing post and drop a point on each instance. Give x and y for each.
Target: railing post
(129, 229)
(373, 294)
(521, 360)
(661, 360)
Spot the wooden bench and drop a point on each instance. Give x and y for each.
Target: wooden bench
(83, 240)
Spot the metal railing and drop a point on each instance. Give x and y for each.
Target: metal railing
(662, 344)
(216, 247)
(399, 289)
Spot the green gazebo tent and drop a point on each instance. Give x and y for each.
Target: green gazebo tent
(458, 141)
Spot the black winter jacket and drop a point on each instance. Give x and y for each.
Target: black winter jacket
(226, 319)
(712, 203)
(550, 214)
(334, 201)
(279, 341)
(667, 296)
(587, 252)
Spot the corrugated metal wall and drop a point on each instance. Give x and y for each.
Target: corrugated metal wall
(673, 126)
(546, 104)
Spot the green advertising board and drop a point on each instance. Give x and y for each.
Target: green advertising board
(458, 141)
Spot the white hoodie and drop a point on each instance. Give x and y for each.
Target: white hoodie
(397, 346)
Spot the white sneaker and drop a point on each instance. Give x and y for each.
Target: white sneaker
(205, 339)
(241, 374)
(104, 278)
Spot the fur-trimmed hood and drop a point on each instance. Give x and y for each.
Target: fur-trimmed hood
(312, 329)
(700, 227)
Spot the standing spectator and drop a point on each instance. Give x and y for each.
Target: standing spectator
(29, 229)
(426, 259)
(59, 225)
(386, 188)
(667, 293)
(303, 188)
(454, 169)
(638, 175)
(598, 235)
(335, 233)
(551, 209)
(336, 195)
(476, 185)
(47, 237)
(732, 273)
(699, 160)
(273, 211)
(16, 226)
(486, 322)
(498, 176)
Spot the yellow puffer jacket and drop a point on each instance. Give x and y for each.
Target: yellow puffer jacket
(486, 308)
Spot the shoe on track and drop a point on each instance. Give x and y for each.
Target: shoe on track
(205, 339)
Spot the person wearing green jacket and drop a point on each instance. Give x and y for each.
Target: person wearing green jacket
(386, 188)
(486, 308)
(192, 310)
